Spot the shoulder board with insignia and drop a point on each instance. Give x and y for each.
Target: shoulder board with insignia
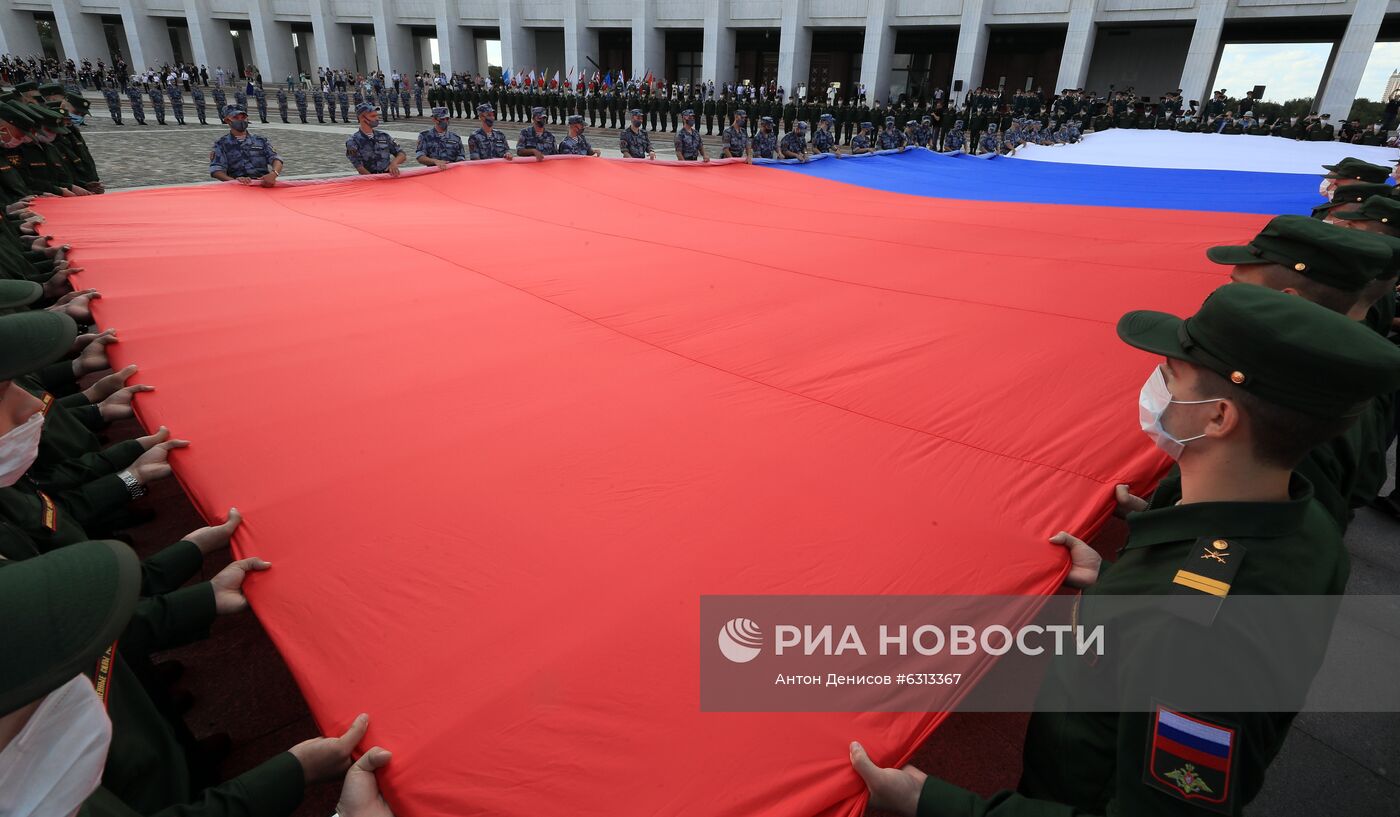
(1204, 578)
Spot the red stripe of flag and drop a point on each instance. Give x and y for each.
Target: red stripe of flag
(1194, 755)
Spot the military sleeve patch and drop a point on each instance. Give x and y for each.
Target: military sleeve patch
(1192, 759)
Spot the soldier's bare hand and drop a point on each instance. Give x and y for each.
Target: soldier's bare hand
(1126, 502)
(155, 463)
(324, 759)
(228, 586)
(893, 790)
(1084, 561)
(359, 794)
(215, 537)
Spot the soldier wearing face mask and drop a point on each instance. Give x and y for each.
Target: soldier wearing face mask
(1350, 171)
(487, 142)
(242, 156)
(74, 721)
(536, 140)
(372, 150)
(438, 146)
(1243, 390)
(689, 147)
(1346, 272)
(735, 138)
(634, 142)
(764, 144)
(576, 144)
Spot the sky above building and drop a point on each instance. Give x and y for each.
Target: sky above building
(1294, 70)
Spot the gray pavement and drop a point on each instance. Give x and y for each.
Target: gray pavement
(1331, 764)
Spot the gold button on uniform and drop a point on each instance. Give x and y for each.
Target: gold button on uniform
(1220, 544)
(1237, 377)
(1300, 266)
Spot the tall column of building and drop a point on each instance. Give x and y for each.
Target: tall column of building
(456, 46)
(1079, 45)
(147, 37)
(580, 41)
(330, 41)
(717, 55)
(1353, 53)
(648, 42)
(878, 57)
(271, 42)
(972, 47)
(209, 38)
(18, 33)
(1204, 51)
(794, 46)
(393, 41)
(517, 42)
(80, 34)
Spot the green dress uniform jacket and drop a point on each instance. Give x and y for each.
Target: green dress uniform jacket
(1103, 763)
(146, 772)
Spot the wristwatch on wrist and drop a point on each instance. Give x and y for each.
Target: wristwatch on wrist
(136, 489)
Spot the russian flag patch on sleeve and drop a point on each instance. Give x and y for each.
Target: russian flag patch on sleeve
(1191, 758)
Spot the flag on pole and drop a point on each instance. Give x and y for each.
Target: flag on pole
(555, 81)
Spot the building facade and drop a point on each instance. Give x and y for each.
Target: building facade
(889, 46)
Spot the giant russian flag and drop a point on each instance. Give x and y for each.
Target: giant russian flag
(498, 428)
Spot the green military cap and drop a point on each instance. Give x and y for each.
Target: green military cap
(1352, 194)
(31, 340)
(26, 87)
(1278, 347)
(78, 102)
(1393, 268)
(16, 293)
(1385, 209)
(1331, 255)
(15, 115)
(1353, 168)
(50, 88)
(62, 611)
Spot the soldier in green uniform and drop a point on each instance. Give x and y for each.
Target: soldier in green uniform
(65, 716)
(1250, 383)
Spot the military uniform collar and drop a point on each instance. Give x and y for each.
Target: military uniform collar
(1262, 520)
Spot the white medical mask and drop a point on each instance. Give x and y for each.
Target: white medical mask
(1152, 404)
(1325, 188)
(18, 448)
(56, 760)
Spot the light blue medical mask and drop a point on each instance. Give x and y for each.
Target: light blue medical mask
(1152, 404)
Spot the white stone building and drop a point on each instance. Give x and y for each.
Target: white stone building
(912, 46)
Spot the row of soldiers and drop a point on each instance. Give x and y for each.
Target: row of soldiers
(395, 104)
(43, 150)
(85, 618)
(1276, 400)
